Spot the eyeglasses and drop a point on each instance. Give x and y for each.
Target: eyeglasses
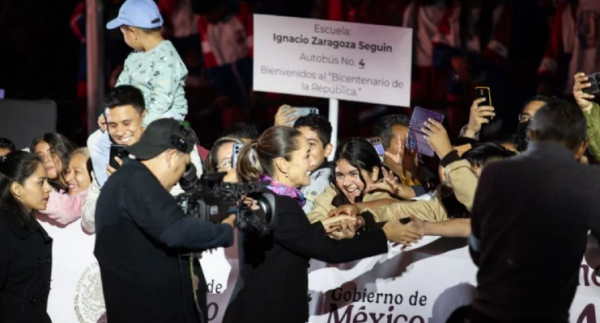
(224, 166)
(524, 117)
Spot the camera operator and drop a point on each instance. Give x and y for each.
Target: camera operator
(142, 234)
(124, 113)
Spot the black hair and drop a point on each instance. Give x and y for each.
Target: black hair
(562, 122)
(383, 127)
(241, 131)
(485, 153)
(460, 141)
(317, 123)
(483, 26)
(125, 95)
(359, 153)
(16, 167)
(539, 97)
(7, 144)
(211, 160)
(258, 158)
(61, 147)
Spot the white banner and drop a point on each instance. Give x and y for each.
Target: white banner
(423, 284)
(331, 59)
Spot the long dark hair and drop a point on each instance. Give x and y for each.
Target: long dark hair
(483, 26)
(60, 147)
(258, 158)
(360, 154)
(16, 167)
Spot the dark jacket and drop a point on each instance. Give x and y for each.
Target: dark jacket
(529, 231)
(141, 238)
(272, 286)
(25, 269)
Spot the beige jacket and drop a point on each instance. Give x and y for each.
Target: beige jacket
(464, 184)
(323, 205)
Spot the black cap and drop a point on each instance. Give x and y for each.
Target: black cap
(161, 135)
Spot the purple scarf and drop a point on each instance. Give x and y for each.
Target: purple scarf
(284, 190)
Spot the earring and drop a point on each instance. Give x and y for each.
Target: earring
(286, 175)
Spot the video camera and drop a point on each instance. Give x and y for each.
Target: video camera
(210, 199)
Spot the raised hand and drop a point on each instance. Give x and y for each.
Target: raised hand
(437, 137)
(583, 99)
(478, 117)
(285, 115)
(398, 155)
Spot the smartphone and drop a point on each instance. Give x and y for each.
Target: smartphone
(594, 79)
(235, 154)
(484, 92)
(116, 151)
(301, 112)
(376, 142)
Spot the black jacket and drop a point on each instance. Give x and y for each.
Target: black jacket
(141, 234)
(25, 270)
(273, 283)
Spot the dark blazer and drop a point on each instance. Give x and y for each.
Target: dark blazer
(25, 269)
(272, 286)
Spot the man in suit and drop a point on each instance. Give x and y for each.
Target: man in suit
(530, 222)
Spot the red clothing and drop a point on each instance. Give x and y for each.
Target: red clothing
(449, 33)
(378, 12)
(574, 44)
(236, 38)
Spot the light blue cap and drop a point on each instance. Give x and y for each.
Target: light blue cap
(137, 13)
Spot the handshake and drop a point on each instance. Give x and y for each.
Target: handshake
(345, 221)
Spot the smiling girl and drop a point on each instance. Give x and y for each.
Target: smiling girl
(353, 157)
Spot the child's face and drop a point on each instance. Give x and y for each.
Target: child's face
(131, 36)
(318, 152)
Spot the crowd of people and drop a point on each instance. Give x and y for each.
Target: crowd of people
(522, 201)
(514, 47)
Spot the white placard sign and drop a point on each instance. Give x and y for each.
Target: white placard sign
(330, 59)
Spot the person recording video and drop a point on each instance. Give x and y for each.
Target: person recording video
(143, 236)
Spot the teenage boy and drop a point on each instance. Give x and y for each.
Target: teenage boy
(317, 130)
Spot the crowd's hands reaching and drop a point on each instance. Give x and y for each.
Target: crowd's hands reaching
(583, 99)
(348, 209)
(110, 170)
(341, 227)
(404, 234)
(479, 116)
(285, 115)
(395, 157)
(389, 183)
(437, 137)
